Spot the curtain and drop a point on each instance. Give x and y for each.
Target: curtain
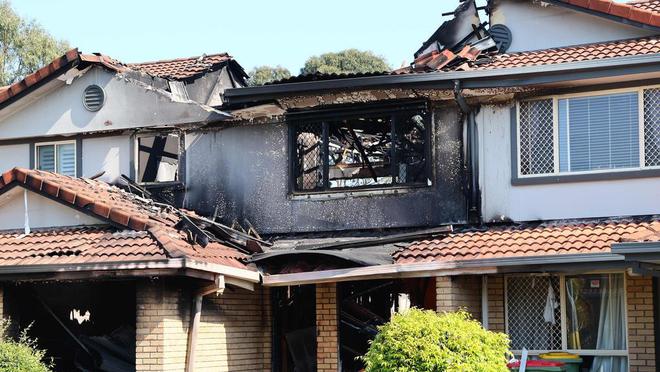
(611, 326)
(574, 335)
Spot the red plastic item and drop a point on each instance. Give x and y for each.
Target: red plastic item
(536, 363)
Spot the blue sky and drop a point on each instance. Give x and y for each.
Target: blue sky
(255, 32)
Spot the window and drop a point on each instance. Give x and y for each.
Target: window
(158, 158)
(56, 157)
(361, 150)
(584, 314)
(589, 133)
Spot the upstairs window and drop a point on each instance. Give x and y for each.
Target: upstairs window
(589, 133)
(57, 157)
(380, 148)
(158, 158)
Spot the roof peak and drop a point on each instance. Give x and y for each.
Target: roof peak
(181, 59)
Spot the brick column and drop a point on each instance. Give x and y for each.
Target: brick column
(459, 292)
(641, 331)
(496, 303)
(327, 335)
(162, 319)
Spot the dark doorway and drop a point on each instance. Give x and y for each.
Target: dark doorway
(294, 329)
(365, 305)
(83, 326)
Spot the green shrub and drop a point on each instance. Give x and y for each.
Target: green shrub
(22, 354)
(424, 341)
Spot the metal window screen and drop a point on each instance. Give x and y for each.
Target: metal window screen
(308, 157)
(652, 127)
(527, 298)
(536, 137)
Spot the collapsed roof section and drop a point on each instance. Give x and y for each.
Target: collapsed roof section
(136, 230)
(171, 76)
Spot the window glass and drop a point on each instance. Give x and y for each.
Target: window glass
(533, 312)
(652, 127)
(536, 137)
(596, 312)
(361, 151)
(66, 159)
(158, 158)
(59, 158)
(603, 132)
(46, 158)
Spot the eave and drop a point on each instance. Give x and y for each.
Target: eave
(495, 78)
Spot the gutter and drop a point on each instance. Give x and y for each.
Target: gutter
(496, 78)
(442, 268)
(170, 264)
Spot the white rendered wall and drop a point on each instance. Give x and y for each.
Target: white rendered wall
(638, 196)
(42, 212)
(111, 155)
(14, 156)
(535, 26)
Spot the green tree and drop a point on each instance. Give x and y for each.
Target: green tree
(24, 44)
(424, 341)
(346, 61)
(265, 74)
(21, 354)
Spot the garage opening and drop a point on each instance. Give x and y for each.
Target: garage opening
(294, 329)
(83, 326)
(364, 305)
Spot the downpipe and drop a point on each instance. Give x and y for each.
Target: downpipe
(471, 155)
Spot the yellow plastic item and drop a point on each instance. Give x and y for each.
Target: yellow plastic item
(559, 355)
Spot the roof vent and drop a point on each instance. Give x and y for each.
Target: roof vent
(502, 36)
(93, 98)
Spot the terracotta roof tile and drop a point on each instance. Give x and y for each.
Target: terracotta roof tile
(176, 69)
(182, 68)
(96, 244)
(123, 210)
(532, 239)
(638, 11)
(598, 51)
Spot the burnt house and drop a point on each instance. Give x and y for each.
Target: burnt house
(514, 161)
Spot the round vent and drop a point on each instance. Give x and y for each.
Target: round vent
(502, 36)
(93, 98)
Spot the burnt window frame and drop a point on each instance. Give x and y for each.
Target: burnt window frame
(180, 172)
(325, 116)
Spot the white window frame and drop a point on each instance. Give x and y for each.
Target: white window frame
(555, 131)
(564, 325)
(54, 144)
(136, 155)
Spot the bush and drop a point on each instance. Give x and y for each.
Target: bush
(424, 341)
(22, 354)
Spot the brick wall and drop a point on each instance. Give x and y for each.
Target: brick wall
(459, 292)
(234, 331)
(641, 331)
(162, 319)
(496, 303)
(327, 339)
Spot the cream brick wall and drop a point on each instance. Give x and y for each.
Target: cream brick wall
(459, 292)
(641, 331)
(496, 303)
(327, 337)
(162, 318)
(234, 332)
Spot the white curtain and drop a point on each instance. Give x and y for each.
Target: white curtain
(611, 326)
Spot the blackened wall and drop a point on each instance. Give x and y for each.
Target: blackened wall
(243, 173)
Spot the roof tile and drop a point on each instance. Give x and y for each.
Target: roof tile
(532, 239)
(119, 208)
